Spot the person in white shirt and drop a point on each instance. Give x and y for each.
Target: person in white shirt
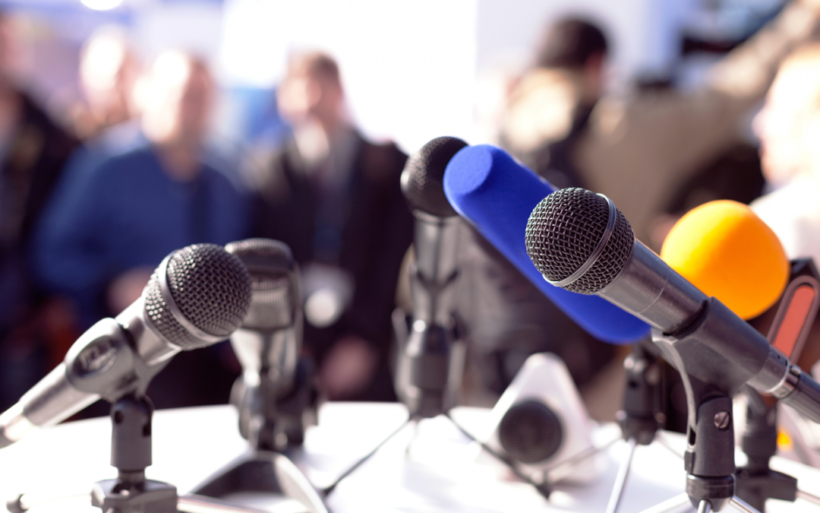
(789, 131)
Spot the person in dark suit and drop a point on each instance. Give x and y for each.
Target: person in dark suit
(335, 199)
(34, 328)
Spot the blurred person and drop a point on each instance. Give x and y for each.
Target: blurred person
(109, 71)
(789, 127)
(107, 227)
(335, 199)
(33, 151)
(639, 150)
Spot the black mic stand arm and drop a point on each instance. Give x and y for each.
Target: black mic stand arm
(716, 356)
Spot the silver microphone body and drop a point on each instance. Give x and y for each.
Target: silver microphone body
(426, 373)
(121, 355)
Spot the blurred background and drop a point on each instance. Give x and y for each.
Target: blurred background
(411, 69)
(212, 89)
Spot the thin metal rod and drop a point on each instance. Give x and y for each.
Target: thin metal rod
(581, 456)
(414, 437)
(743, 505)
(620, 479)
(328, 490)
(806, 496)
(705, 507)
(664, 442)
(542, 488)
(27, 501)
(672, 504)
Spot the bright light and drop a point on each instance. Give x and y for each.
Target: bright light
(102, 5)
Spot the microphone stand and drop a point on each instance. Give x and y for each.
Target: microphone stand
(426, 373)
(130, 491)
(131, 444)
(641, 416)
(264, 420)
(756, 481)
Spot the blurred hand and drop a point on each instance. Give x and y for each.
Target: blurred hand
(127, 288)
(348, 368)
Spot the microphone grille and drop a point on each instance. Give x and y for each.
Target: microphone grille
(210, 287)
(274, 294)
(422, 180)
(563, 231)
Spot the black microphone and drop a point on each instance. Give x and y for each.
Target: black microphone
(581, 242)
(273, 392)
(424, 364)
(196, 297)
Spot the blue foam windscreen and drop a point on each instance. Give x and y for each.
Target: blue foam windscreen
(496, 194)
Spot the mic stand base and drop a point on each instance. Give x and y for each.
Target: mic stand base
(543, 487)
(131, 445)
(152, 497)
(266, 472)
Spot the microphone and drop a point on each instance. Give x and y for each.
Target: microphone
(496, 194)
(581, 242)
(423, 370)
(196, 297)
(268, 344)
(719, 246)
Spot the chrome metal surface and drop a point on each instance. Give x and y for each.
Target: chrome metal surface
(653, 292)
(46, 403)
(620, 479)
(436, 253)
(276, 352)
(14, 425)
(152, 348)
(808, 497)
(742, 505)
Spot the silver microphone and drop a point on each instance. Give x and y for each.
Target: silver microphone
(273, 393)
(196, 297)
(424, 380)
(580, 241)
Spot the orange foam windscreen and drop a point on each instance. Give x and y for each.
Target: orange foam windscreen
(728, 252)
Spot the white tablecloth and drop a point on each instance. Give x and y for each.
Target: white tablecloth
(439, 473)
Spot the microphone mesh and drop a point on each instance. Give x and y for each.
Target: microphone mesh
(563, 231)
(422, 180)
(211, 288)
(273, 282)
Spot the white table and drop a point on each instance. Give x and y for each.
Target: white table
(438, 474)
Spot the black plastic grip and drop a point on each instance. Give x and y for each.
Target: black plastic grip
(805, 398)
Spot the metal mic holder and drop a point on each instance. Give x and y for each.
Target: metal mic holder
(756, 482)
(273, 424)
(130, 492)
(641, 416)
(710, 379)
(272, 421)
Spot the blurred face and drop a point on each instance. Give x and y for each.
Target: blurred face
(194, 107)
(108, 72)
(788, 124)
(303, 96)
(297, 96)
(178, 102)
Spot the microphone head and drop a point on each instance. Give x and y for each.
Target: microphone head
(274, 292)
(565, 230)
(197, 296)
(422, 180)
(726, 251)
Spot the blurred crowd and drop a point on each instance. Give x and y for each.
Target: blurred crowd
(90, 204)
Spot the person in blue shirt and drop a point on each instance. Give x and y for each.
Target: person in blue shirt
(108, 226)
